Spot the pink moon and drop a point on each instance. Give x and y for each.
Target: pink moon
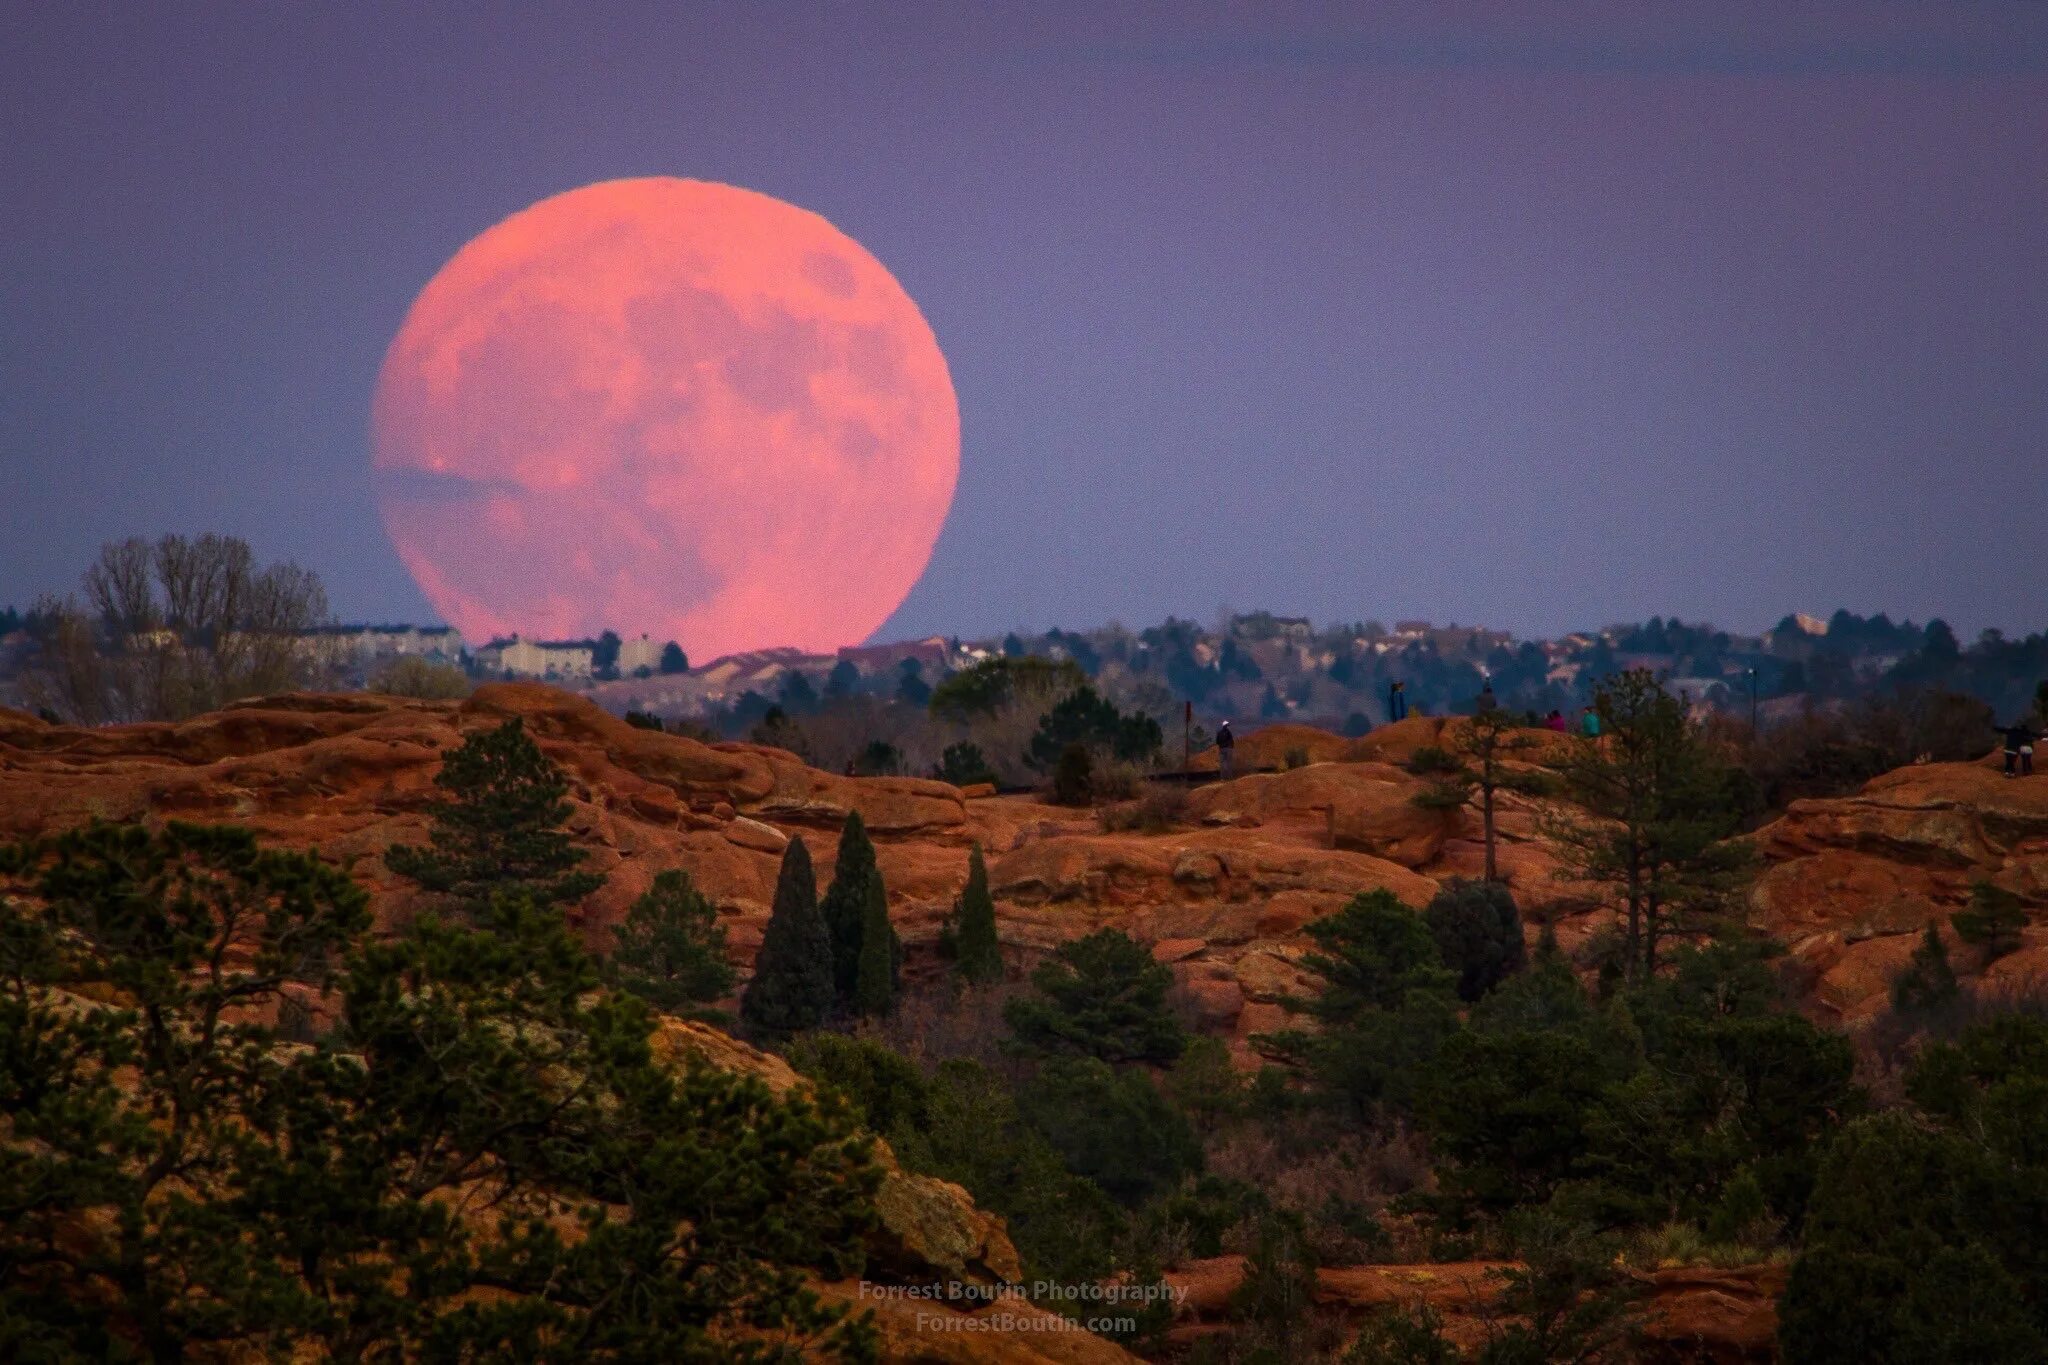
(665, 407)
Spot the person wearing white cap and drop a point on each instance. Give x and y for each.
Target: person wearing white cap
(1226, 751)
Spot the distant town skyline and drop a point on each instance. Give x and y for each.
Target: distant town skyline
(1493, 315)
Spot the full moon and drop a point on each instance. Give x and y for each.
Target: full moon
(665, 407)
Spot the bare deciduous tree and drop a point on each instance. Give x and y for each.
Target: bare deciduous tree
(169, 630)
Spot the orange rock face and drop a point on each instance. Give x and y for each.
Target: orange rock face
(1232, 889)
(1851, 882)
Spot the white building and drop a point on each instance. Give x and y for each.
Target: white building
(368, 645)
(635, 655)
(536, 658)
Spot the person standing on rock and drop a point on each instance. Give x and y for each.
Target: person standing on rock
(1590, 723)
(2019, 749)
(1555, 720)
(1397, 702)
(1226, 752)
(1487, 701)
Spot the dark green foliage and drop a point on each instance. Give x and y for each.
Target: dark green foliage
(964, 765)
(792, 986)
(1386, 1002)
(1643, 1110)
(670, 949)
(1205, 1084)
(1993, 920)
(1276, 1298)
(978, 953)
(1665, 806)
(886, 1089)
(1073, 779)
(1429, 760)
(1111, 1127)
(1087, 718)
(604, 655)
(874, 984)
(848, 909)
(1507, 1112)
(1929, 1241)
(992, 684)
(1927, 984)
(842, 681)
(1100, 996)
(1478, 932)
(1567, 1301)
(1402, 1337)
(673, 660)
(499, 827)
(975, 1135)
(878, 758)
(911, 688)
(350, 1199)
(642, 720)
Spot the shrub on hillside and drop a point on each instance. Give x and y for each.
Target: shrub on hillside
(1158, 810)
(1073, 778)
(670, 948)
(1100, 996)
(411, 676)
(964, 765)
(1479, 933)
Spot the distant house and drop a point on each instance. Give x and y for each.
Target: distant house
(366, 645)
(537, 658)
(635, 655)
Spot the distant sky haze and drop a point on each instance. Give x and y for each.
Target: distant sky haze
(1535, 315)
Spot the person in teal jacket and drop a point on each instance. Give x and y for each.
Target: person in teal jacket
(1590, 723)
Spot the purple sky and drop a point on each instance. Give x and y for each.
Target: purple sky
(1465, 311)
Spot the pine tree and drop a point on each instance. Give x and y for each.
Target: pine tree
(1993, 920)
(792, 986)
(845, 907)
(1928, 983)
(499, 827)
(1481, 759)
(1664, 806)
(1103, 996)
(980, 954)
(670, 949)
(874, 987)
(179, 1186)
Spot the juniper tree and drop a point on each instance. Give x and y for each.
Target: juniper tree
(670, 948)
(1927, 984)
(1478, 931)
(499, 826)
(874, 986)
(1099, 996)
(979, 953)
(1992, 921)
(855, 878)
(792, 986)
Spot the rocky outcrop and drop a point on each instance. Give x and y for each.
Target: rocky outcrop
(1249, 865)
(930, 1229)
(1850, 882)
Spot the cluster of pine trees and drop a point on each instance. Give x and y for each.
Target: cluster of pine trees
(242, 1123)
